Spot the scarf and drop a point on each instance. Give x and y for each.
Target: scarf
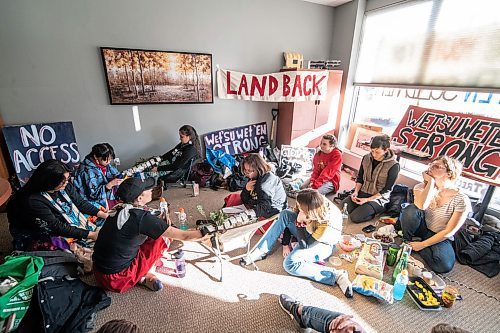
(123, 210)
(102, 167)
(74, 217)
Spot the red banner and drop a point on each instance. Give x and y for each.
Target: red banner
(474, 140)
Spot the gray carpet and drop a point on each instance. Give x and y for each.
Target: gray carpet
(247, 300)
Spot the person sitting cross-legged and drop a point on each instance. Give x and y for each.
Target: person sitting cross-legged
(317, 223)
(439, 211)
(132, 239)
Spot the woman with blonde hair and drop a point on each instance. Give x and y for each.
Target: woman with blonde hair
(439, 210)
(317, 224)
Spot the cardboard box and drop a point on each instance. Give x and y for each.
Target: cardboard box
(352, 131)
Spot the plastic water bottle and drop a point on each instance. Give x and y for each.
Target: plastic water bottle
(400, 285)
(402, 263)
(180, 264)
(183, 225)
(163, 206)
(345, 215)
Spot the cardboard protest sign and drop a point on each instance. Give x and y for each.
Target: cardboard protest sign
(302, 156)
(30, 145)
(238, 140)
(472, 139)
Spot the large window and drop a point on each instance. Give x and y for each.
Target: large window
(446, 43)
(385, 107)
(437, 54)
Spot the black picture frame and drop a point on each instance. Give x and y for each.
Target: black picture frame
(137, 76)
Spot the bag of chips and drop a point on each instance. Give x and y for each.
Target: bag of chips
(370, 286)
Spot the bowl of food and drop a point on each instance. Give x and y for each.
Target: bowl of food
(349, 243)
(383, 238)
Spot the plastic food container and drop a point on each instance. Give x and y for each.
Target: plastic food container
(386, 240)
(417, 287)
(349, 243)
(437, 283)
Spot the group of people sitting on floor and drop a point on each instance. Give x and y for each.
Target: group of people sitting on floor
(49, 212)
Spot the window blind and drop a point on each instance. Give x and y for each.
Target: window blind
(445, 43)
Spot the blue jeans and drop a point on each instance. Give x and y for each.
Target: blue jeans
(439, 257)
(326, 188)
(300, 262)
(316, 318)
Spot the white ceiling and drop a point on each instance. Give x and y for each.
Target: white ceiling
(332, 3)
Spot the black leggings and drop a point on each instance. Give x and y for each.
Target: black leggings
(362, 213)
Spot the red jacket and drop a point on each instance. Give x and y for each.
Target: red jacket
(326, 167)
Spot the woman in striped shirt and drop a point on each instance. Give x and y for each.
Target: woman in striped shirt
(439, 210)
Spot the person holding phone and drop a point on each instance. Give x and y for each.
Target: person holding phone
(96, 179)
(439, 210)
(133, 239)
(376, 177)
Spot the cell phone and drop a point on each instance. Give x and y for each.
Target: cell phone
(369, 228)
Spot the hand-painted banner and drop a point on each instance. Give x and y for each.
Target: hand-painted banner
(238, 140)
(474, 140)
(30, 145)
(293, 86)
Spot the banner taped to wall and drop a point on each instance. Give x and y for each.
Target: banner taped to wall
(292, 86)
(472, 139)
(239, 139)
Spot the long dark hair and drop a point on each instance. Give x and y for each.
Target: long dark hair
(46, 177)
(193, 136)
(102, 150)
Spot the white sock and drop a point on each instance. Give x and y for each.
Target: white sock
(344, 283)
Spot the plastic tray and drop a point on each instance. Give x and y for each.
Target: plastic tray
(439, 284)
(413, 290)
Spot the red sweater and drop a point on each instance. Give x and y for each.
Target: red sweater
(326, 167)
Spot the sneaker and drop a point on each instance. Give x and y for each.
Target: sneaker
(344, 283)
(252, 257)
(151, 282)
(289, 305)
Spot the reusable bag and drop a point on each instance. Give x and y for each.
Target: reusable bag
(15, 302)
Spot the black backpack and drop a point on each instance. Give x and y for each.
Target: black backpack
(399, 195)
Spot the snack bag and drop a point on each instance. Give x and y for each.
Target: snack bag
(370, 260)
(370, 286)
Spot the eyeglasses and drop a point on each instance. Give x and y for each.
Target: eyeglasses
(437, 166)
(248, 172)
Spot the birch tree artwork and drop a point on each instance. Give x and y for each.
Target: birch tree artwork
(149, 77)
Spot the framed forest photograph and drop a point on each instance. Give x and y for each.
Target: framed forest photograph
(156, 77)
